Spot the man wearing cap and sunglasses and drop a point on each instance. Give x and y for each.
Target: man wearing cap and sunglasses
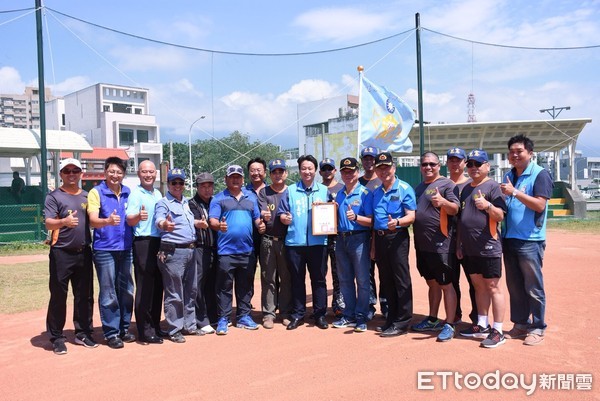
(394, 206)
(177, 258)
(233, 214)
(70, 259)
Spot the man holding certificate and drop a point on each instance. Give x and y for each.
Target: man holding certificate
(304, 249)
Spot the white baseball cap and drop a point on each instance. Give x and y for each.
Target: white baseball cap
(65, 162)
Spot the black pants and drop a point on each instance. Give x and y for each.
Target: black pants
(74, 266)
(235, 273)
(313, 258)
(206, 299)
(148, 286)
(391, 251)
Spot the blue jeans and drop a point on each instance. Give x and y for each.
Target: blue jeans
(523, 262)
(353, 262)
(115, 300)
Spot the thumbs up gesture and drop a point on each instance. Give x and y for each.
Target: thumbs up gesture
(507, 187)
(266, 215)
(223, 225)
(286, 218)
(437, 200)
(114, 219)
(262, 227)
(71, 221)
(169, 224)
(350, 214)
(201, 224)
(143, 213)
(391, 223)
(480, 202)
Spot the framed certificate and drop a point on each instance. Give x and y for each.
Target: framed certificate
(324, 219)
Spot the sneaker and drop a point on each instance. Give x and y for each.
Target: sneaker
(515, 333)
(208, 329)
(475, 331)
(343, 323)
(222, 326)
(286, 321)
(268, 322)
(426, 325)
(115, 342)
(360, 328)
(86, 340)
(446, 334)
(246, 322)
(192, 332)
(177, 338)
(59, 347)
(533, 339)
(128, 338)
(494, 339)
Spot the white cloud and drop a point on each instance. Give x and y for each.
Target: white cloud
(150, 58)
(10, 81)
(70, 85)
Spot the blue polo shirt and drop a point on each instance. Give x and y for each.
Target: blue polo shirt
(181, 215)
(361, 201)
(138, 197)
(240, 216)
(395, 202)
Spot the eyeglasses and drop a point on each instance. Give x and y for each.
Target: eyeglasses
(180, 183)
(69, 171)
(472, 163)
(432, 165)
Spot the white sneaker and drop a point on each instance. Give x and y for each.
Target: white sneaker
(208, 329)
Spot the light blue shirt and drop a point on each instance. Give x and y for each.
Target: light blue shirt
(141, 196)
(181, 215)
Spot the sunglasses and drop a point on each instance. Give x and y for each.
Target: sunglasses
(71, 171)
(432, 165)
(181, 183)
(472, 163)
(327, 168)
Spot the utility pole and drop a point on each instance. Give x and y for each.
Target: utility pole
(42, 100)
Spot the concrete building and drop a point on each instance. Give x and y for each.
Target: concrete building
(22, 111)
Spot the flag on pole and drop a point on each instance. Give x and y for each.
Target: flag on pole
(384, 120)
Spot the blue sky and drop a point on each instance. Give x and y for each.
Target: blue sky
(258, 94)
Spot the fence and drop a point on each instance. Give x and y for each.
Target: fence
(22, 223)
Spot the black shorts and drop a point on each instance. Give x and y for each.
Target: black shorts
(436, 266)
(487, 267)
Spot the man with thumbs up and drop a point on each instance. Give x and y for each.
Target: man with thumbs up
(146, 241)
(70, 259)
(112, 252)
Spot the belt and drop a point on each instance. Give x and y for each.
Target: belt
(73, 250)
(144, 237)
(273, 238)
(349, 233)
(381, 233)
(189, 245)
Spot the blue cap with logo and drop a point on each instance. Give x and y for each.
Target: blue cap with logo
(457, 152)
(326, 162)
(479, 155)
(277, 163)
(369, 151)
(176, 173)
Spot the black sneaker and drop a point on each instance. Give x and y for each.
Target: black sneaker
(493, 340)
(59, 347)
(86, 340)
(128, 338)
(475, 331)
(177, 338)
(193, 332)
(115, 343)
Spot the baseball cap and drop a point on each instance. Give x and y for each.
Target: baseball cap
(204, 177)
(175, 173)
(384, 158)
(65, 162)
(456, 152)
(348, 163)
(235, 169)
(479, 155)
(369, 151)
(326, 162)
(277, 163)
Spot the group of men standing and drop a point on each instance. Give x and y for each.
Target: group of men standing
(193, 255)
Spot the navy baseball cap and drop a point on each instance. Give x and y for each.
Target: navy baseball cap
(479, 155)
(457, 152)
(277, 163)
(369, 151)
(348, 163)
(326, 162)
(175, 173)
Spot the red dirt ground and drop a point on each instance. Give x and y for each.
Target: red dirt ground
(312, 364)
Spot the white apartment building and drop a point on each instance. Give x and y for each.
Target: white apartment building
(22, 111)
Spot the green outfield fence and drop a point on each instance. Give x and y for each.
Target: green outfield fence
(22, 223)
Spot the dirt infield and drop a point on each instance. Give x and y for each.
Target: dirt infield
(312, 364)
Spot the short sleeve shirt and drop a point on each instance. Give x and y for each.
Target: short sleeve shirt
(395, 202)
(60, 204)
(361, 202)
(138, 197)
(269, 199)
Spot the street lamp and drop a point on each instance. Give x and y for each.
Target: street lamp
(190, 151)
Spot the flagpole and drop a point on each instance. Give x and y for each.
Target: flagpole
(420, 86)
(360, 69)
